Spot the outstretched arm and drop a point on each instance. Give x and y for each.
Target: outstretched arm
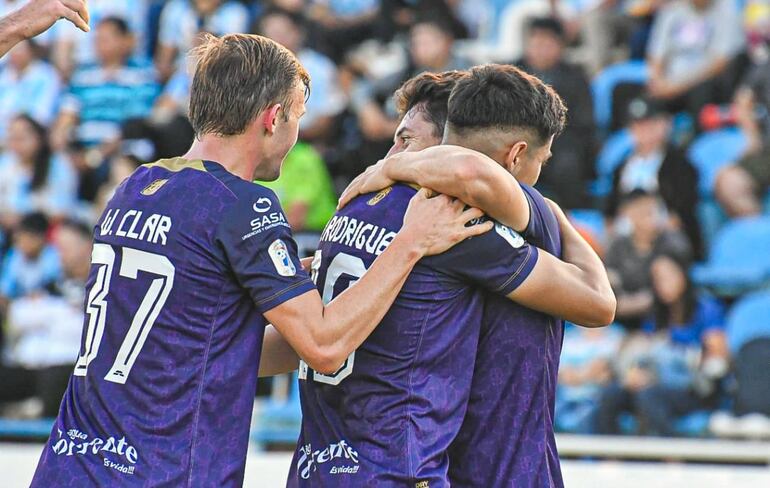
(577, 288)
(453, 170)
(37, 16)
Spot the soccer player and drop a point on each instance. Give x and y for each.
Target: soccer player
(387, 418)
(189, 262)
(507, 436)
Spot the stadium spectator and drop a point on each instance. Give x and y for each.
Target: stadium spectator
(32, 178)
(570, 169)
(32, 263)
(694, 53)
(641, 236)
(305, 189)
(73, 48)
(676, 366)
(182, 21)
(585, 368)
(740, 187)
(104, 95)
(326, 99)
(656, 166)
(44, 329)
(430, 49)
(28, 85)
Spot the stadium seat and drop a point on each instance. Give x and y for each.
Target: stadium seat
(747, 320)
(739, 258)
(615, 150)
(280, 420)
(713, 150)
(605, 83)
(15, 429)
(591, 220)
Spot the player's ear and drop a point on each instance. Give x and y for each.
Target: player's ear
(270, 118)
(515, 155)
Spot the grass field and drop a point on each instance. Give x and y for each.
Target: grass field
(268, 470)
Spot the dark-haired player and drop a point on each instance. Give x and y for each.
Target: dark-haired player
(190, 261)
(507, 435)
(388, 417)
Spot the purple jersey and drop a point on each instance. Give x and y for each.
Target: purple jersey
(387, 417)
(187, 257)
(507, 436)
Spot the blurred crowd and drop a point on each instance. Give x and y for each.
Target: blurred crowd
(663, 167)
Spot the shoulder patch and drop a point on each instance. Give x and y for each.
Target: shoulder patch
(512, 237)
(279, 254)
(153, 187)
(378, 197)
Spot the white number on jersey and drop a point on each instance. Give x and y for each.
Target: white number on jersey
(133, 261)
(341, 264)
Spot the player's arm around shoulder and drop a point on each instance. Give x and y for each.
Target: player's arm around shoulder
(324, 336)
(576, 289)
(457, 171)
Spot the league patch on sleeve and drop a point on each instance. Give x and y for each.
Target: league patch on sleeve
(279, 254)
(512, 237)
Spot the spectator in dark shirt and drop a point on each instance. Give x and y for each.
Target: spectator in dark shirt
(656, 166)
(642, 234)
(571, 167)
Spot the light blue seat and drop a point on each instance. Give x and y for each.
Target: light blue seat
(605, 82)
(747, 320)
(37, 429)
(615, 150)
(711, 151)
(739, 258)
(280, 420)
(590, 219)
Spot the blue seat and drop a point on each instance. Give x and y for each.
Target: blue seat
(747, 320)
(37, 429)
(615, 150)
(590, 219)
(739, 258)
(712, 151)
(280, 420)
(694, 424)
(605, 83)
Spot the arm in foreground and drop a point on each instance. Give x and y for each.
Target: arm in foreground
(452, 170)
(37, 16)
(576, 289)
(324, 336)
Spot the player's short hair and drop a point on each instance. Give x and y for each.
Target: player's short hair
(505, 97)
(429, 91)
(238, 76)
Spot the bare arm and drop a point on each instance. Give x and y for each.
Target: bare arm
(580, 282)
(324, 336)
(37, 16)
(453, 170)
(277, 357)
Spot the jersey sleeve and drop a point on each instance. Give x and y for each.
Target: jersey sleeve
(261, 252)
(499, 260)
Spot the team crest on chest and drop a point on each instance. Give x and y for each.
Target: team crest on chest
(153, 187)
(378, 197)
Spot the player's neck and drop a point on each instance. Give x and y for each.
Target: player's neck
(236, 157)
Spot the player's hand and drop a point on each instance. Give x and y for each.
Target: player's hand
(373, 179)
(307, 263)
(438, 223)
(38, 15)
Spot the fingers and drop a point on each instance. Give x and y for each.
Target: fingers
(470, 214)
(307, 263)
(76, 12)
(352, 191)
(424, 193)
(475, 230)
